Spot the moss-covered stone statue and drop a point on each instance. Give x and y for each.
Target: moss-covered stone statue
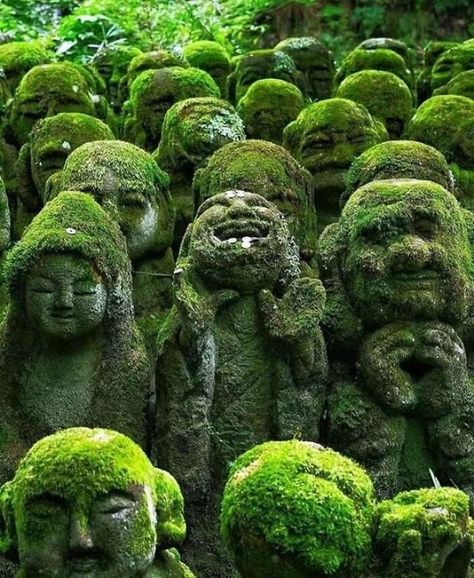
(268, 106)
(451, 63)
(433, 50)
(316, 63)
(88, 502)
(5, 238)
(270, 171)
(297, 510)
(261, 64)
(70, 353)
(192, 130)
(49, 144)
(398, 159)
(462, 85)
(131, 187)
(447, 123)
(398, 269)
(153, 93)
(242, 359)
(211, 57)
(383, 94)
(45, 91)
(325, 138)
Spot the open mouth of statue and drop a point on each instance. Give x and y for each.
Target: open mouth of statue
(242, 232)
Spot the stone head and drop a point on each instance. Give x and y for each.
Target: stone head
(112, 65)
(383, 94)
(45, 91)
(211, 57)
(261, 64)
(400, 251)
(278, 514)
(452, 62)
(316, 63)
(433, 50)
(390, 44)
(128, 183)
(270, 171)
(5, 224)
(154, 60)
(461, 85)
(268, 106)
(88, 502)
(240, 241)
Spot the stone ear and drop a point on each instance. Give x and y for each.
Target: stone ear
(185, 244)
(230, 86)
(8, 542)
(169, 507)
(291, 137)
(197, 182)
(25, 188)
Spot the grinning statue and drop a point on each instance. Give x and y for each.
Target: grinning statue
(211, 57)
(242, 359)
(399, 272)
(89, 503)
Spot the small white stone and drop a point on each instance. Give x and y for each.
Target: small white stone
(178, 271)
(246, 239)
(71, 231)
(232, 240)
(95, 98)
(241, 194)
(246, 244)
(230, 194)
(66, 146)
(75, 88)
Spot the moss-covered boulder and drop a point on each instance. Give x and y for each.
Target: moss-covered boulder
(452, 62)
(268, 106)
(154, 92)
(383, 94)
(192, 130)
(461, 85)
(325, 138)
(270, 171)
(44, 91)
(92, 494)
(316, 63)
(294, 509)
(433, 50)
(261, 64)
(447, 123)
(211, 57)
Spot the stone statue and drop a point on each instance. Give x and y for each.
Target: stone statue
(433, 50)
(88, 502)
(131, 187)
(211, 57)
(242, 359)
(316, 63)
(461, 85)
(192, 130)
(398, 270)
(70, 353)
(268, 106)
(383, 94)
(270, 171)
(325, 138)
(450, 63)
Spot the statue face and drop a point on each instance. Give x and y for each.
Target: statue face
(239, 241)
(255, 67)
(402, 259)
(450, 64)
(152, 105)
(47, 158)
(110, 535)
(65, 298)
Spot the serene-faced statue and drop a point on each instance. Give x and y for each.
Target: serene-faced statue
(261, 64)
(70, 351)
(268, 106)
(447, 123)
(89, 503)
(211, 57)
(383, 94)
(45, 91)
(325, 138)
(316, 63)
(270, 171)
(242, 353)
(451, 63)
(192, 130)
(49, 144)
(153, 93)
(399, 274)
(131, 187)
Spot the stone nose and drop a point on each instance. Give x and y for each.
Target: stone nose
(80, 535)
(64, 298)
(412, 253)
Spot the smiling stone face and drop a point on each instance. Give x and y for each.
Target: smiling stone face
(240, 241)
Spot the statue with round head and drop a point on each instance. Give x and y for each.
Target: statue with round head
(457, 59)
(153, 93)
(243, 314)
(88, 502)
(268, 106)
(461, 85)
(433, 50)
(316, 63)
(211, 57)
(383, 94)
(325, 138)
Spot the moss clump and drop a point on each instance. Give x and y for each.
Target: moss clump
(451, 63)
(399, 160)
(461, 85)
(268, 106)
(153, 60)
(269, 170)
(153, 92)
(432, 52)
(296, 509)
(316, 63)
(385, 96)
(211, 57)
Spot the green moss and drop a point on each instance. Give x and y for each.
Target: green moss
(303, 502)
(268, 106)
(452, 62)
(385, 96)
(389, 44)
(432, 52)
(153, 60)
(211, 57)
(461, 85)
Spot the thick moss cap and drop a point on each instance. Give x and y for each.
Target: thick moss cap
(154, 60)
(206, 53)
(378, 59)
(73, 126)
(461, 85)
(22, 56)
(302, 500)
